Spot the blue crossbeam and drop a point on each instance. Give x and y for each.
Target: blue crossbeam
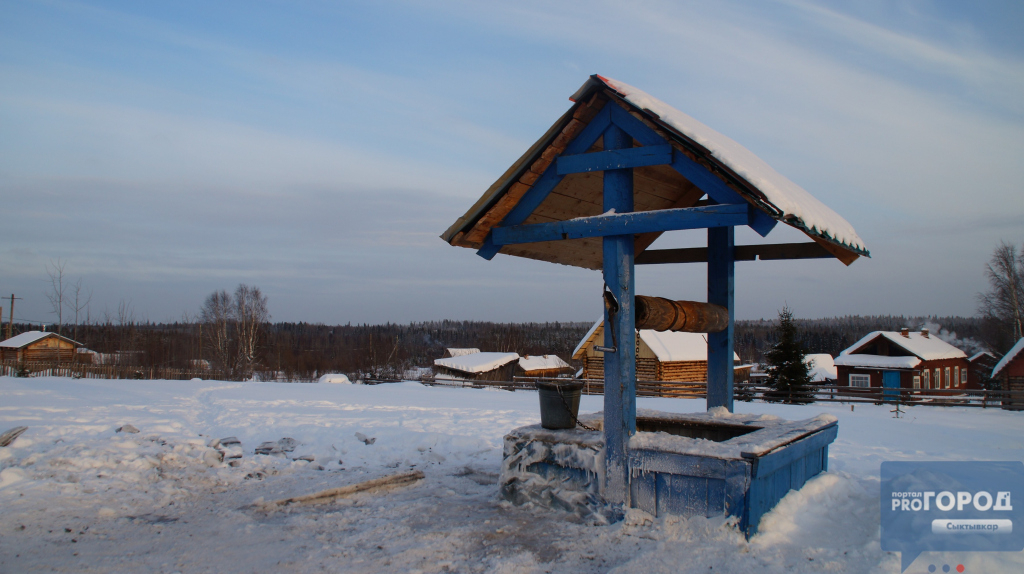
(626, 224)
(615, 159)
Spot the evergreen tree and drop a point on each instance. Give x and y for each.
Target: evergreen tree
(788, 375)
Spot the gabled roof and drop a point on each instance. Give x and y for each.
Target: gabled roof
(454, 352)
(477, 362)
(655, 187)
(928, 348)
(667, 346)
(29, 337)
(982, 355)
(1009, 356)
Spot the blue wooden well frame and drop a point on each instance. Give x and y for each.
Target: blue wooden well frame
(746, 486)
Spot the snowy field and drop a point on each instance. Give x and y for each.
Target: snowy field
(76, 496)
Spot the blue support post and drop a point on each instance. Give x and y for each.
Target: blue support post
(620, 366)
(721, 266)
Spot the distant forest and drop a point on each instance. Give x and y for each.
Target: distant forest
(303, 351)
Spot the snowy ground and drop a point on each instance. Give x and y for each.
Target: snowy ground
(77, 497)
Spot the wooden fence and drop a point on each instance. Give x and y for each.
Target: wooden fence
(86, 371)
(753, 392)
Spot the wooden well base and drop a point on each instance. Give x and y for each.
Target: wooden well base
(696, 464)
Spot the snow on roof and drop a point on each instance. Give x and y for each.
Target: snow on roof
(29, 337)
(666, 345)
(1009, 356)
(461, 352)
(781, 193)
(477, 362)
(542, 362)
(877, 361)
(979, 355)
(926, 348)
(822, 366)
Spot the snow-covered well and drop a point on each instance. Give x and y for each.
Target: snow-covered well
(696, 464)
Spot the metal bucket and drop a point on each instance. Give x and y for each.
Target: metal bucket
(554, 398)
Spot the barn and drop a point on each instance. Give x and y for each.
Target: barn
(477, 367)
(902, 359)
(981, 369)
(38, 346)
(660, 356)
(1010, 373)
(543, 366)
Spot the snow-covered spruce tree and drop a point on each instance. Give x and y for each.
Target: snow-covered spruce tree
(788, 375)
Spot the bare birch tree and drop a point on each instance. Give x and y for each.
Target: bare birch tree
(218, 314)
(57, 294)
(251, 314)
(1003, 303)
(79, 302)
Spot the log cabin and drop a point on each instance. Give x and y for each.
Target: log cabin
(1009, 371)
(660, 356)
(902, 359)
(38, 346)
(477, 367)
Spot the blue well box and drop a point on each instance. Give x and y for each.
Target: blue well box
(695, 464)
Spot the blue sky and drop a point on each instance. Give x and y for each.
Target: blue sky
(318, 149)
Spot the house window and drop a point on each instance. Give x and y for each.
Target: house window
(938, 378)
(863, 381)
(956, 376)
(917, 381)
(947, 377)
(927, 379)
(963, 378)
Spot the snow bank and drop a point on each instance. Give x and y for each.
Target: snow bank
(822, 367)
(335, 378)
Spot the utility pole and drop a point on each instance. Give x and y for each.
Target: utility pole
(10, 322)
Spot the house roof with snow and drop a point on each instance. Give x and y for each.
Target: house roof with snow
(477, 362)
(656, 187)
(667, 346)
(917, 346)
(822, 367)
(1008, 357)
(542, 363)
(29, 337)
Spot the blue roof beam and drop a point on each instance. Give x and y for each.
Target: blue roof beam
(634, 223)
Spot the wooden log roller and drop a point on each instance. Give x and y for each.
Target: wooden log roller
(660, 314)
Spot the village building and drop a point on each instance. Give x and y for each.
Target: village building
(38, 346)
(660, 356)
(477, 367)
(980, 369)
(543, 366)
(821, 367)
(903, 359)
(1009, 371)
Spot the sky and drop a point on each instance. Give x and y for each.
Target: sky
(162, 151)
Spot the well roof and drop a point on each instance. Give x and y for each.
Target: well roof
(655, 187)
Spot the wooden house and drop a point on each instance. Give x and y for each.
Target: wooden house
(980, 369)
(543, 366)
(902, 359)
(477, 367)
(38, 346)
(660, 356)
(1009, 371)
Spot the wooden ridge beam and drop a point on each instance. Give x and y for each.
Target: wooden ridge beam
(615, 159)
(631, 223)
(771, 252)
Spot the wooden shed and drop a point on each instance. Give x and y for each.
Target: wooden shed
(902, 359)
(543, 366)
(660, 356)
(1010, 373)
(477, 367)
(38, 346)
